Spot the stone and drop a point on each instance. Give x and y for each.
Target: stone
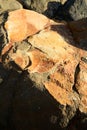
(34, 61)
(81, 86)
(54, 41)
(60, 94)
(42, 4)
(9, 5)
(52, 59)
(31, 22)
(54, 64)
(79, 32)
(78, 9)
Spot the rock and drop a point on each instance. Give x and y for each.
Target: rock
(81, 86)
(9, 5)
(55, 65)
(78, 9)
(54, 41)
(39, 62)
(52, 58)
(79, 31)
(31, 22)
(42, 4)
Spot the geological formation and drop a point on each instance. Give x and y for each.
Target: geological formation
(47, 50)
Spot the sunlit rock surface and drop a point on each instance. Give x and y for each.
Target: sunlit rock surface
(23, 23)
(53, 56)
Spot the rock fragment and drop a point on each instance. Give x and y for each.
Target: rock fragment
(23, 23)
(10, 5)
(54, 41)
(81, 86)
(78, 9)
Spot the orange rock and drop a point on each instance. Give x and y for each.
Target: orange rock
(55, 41)
(39, 62)
(34, 61)
(20, 58)
(6, 48)
(63, 80)
(23, 23)
(60, 94)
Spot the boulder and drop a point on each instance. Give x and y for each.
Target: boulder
(52, 71)
(52, 57)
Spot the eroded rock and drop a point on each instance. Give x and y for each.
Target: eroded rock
(78, 9)
(42, 4)
(81, 86)
(79, 32)
(10, 5)
(31, 22)
(52, 57)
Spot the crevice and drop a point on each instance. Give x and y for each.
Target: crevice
(77, 70)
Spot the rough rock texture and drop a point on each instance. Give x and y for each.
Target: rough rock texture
(47, 7)
(81, 86)
(79, 32)
(31, 22)
(78, 9)
(51, 78)
(9, 5)
(42, 4)
(80, 35)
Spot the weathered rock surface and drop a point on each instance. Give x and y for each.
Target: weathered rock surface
(55, 64)
(31, 22)
(9, 5)
(81, 86)
(78, 9)
(79, 32)
(42, 4)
